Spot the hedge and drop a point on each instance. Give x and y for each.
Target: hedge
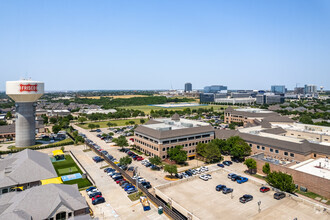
(67, 141)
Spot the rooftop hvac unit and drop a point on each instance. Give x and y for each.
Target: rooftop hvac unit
(169, 122)
(188, 125)
(164, 129)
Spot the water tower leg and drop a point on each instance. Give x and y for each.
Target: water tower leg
(25, 124)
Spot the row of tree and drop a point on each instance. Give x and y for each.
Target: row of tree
(234, 146)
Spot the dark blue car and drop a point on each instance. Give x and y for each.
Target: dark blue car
(220, 165)
(90, 188)
(220, 187)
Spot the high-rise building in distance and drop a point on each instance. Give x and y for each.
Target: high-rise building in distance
(214, 88)
(187, 87)
(310, 89)
(278, 89)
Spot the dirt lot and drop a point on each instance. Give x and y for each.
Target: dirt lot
(201, 198)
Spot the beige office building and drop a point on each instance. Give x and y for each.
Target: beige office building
(159, 135)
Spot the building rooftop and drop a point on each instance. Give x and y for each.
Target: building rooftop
(166, 128)
(319, 167)
(305, 128)
(24, 167)
(40, 202)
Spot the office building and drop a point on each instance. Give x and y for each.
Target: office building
(215, 89)
(278, 89)
(206, 97)
(310, 89)
(159, 135)
(269, 98)
(299, 90)
(187, 87)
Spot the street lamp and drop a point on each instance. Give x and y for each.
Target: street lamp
(259, 203)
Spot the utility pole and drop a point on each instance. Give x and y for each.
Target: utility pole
(259, 209)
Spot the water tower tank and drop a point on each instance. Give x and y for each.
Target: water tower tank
(25, 93)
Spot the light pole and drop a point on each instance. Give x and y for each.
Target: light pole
(259, 209)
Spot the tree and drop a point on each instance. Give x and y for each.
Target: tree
(177, 154)
(306, 119)
(212, 153)
(45, 118)
(281, 181)
(9, 115)
(171, 169)
(97, 126)
(155, 160)
(266, 168)
(91, 126)
(132, 122)
(53, 120)
(142, 121)
(121, 141)
(81, 120)
(251, 164)
(3, 123)
(56, 128)
(111, 134)
(238, 147)
(232, 126)
(62, 148)
(125, 160)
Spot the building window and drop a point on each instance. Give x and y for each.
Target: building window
(258, 147)
(174, 141)
(262, 148)
(271, 150)
(250, 145)
(291, 155)
(186, 145)
(4, 191)
(326, 139)
(69, 214)
(191, 138)
(164, 156)
(164, 149)
(286, 153)
(61, 216)
(189, 144)
(168, 148)
(314, 155)
(190, 151)
(166, 142)
(276, 151)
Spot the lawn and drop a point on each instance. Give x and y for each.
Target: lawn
(68, 166)
(147, 108)
(103, 124)
(312, 195)
(135, 196)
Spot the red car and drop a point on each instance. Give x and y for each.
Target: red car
(264, 189)
(132, 139)
(118, 181)
(95, 197)
(139, 158)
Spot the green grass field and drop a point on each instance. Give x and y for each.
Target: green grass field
(67, 170)
(146, 108)
(103, 124)
(63, 168)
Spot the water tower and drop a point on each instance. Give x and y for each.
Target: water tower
(25, 93)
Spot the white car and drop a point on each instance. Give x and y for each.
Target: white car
(208, 176)
(204, 177)
(93, 191)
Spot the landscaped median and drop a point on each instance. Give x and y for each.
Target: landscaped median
(14, 149)
(121, 122)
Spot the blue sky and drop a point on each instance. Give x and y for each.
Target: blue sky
(244, 44)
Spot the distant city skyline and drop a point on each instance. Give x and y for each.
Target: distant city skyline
(152, 45)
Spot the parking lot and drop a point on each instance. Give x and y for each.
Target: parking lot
(201, 199)
(117, 205)
(154, 177)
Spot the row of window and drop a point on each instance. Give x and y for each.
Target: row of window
(147, 145)
(186, 139)
(276, 151)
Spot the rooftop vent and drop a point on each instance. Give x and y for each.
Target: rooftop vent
(188, 125)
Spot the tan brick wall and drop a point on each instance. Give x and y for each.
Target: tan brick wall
(313, 183)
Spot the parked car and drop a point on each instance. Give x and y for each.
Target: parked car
(90, 188)
(264, 189)
(130, 169)
(227, 190)
(204, 177)
(146, 185)
(246, 198)
(130, 191)
(226, 163)
(235, 177)
(98, 196)
(179, 175)
(92, 191)
(95, 194)
(98, 201)
(242, 179)
(279, 195)
(220, 187)
(189, 173)
(220, 165)
(230, 175)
